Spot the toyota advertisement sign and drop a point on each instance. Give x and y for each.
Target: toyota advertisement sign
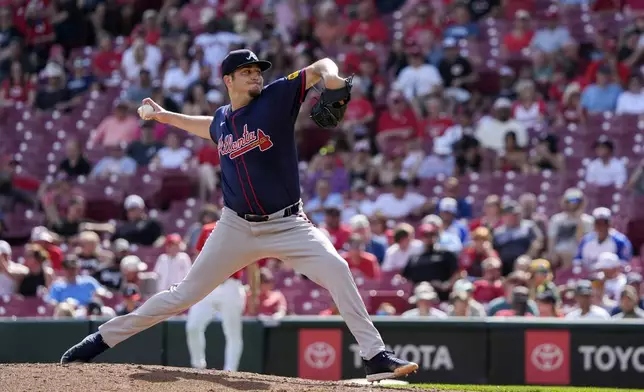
(547, 357)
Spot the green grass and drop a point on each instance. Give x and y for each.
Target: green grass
(508, 388)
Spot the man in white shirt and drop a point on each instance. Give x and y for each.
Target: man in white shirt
(400, 203)
(405, 245)
(606, 169)
(152, 59)
(216, 44)
(418, 78)
(177, 79)
(585, 310)
(553, 36)
(631, 101)
(614, 278)
(172, 266)
(10, 273)
(424, 298)
(491, 131)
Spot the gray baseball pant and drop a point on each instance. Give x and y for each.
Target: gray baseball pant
(235, 243)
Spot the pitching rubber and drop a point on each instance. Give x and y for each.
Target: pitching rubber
(401, 371)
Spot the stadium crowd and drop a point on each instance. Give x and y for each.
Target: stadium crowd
(490, 162)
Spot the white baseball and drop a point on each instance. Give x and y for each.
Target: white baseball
(145, 111)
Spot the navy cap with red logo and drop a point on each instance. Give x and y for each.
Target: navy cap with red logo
(240, 58)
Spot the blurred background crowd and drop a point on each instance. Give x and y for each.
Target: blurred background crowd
(490, 163)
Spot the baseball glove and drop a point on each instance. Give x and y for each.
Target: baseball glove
(329, 110)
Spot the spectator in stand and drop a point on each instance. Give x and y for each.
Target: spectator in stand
(549, 304)
(368, 23)
(514, 157)
(116, 163)
(490, 286)
(75, 163)
(207, 159)
(146, 147)
(546, 155)
(11, 274)
(585, 309)
(338, 233)
(119, 127)
(328, 165)
(507, 78)
(528, 203)
(520, 36)
(602, 95)
(446, 239)
(110, 275)
(272, 303)
(80, 81)
(571, 111)
(516, 236)
(173, 265)
(435, 264)
(456, 71)
(452, 188)
(360, 112)
(631, 101)
(358, 202)
(322, 200)
(54, 94)
(17, 87)
(141, 56)
(629, 300)
(634, 281)
(360, 261)
(462, 26)
(40, 276)
(173, 155)
(418, 79)
(178, 78)
(139, 89)
(134, 271)
(614, 279)
(528, 109)
(398, 122)
(425, 299)
(541, 278)
(148, 29)
(360, 225)
(95, 309)
(472, 257)
(72, 285)
(514, 280)
(460, 306)
(465, 286)
(131, 300)
(518, 304)
(400, 203)
(106, 59)
(606, 169)
(43, 237)
(139, 229)
(405, 246)
(56, 197)
(491, 131)
(91, 256)
(491, 218)
(69, 226)
(440, 163)
(552, 37)
(448, 211)
(209, 213)
(618, 71)
(568, 227)
(599, 296)
(359, 165)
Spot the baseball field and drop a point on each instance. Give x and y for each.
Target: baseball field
(149, 378)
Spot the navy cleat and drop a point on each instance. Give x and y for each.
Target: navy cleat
(385, 365)
(86, 350)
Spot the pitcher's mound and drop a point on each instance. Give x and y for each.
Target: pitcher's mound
(147, 378)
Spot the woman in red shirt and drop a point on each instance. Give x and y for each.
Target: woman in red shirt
(18, 87)
(106, 60)
(472, 256)
(570, 110)
(521, 36)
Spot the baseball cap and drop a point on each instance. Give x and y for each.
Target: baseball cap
(5, 248)
(511, 207)
(607, 260)
(89, 236)
(458, 295)
(134, 201)
(448, 204)
(584, 287)
(132, 263)
(630, 292)
(634, 278)
(602, 213)
(427, 228)
(540, 265)
(463, 285)
(240, 58)
(450, 42)
(173, 239)
(121, 245)
(359, 222)
(502, 103)
(491, 263)
(424, 291)
(547, 296)
(573, 195)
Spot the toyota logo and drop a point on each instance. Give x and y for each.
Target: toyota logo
(319, 355)
(547, 357)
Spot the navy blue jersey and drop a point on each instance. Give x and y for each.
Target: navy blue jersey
(256, 144)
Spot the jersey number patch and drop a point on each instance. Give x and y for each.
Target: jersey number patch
(293, 75)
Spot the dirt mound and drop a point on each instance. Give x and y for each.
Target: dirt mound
(102, 377)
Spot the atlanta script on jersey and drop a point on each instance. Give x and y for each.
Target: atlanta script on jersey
(248, 141)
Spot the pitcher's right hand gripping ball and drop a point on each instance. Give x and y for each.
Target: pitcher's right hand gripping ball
(329, 110)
